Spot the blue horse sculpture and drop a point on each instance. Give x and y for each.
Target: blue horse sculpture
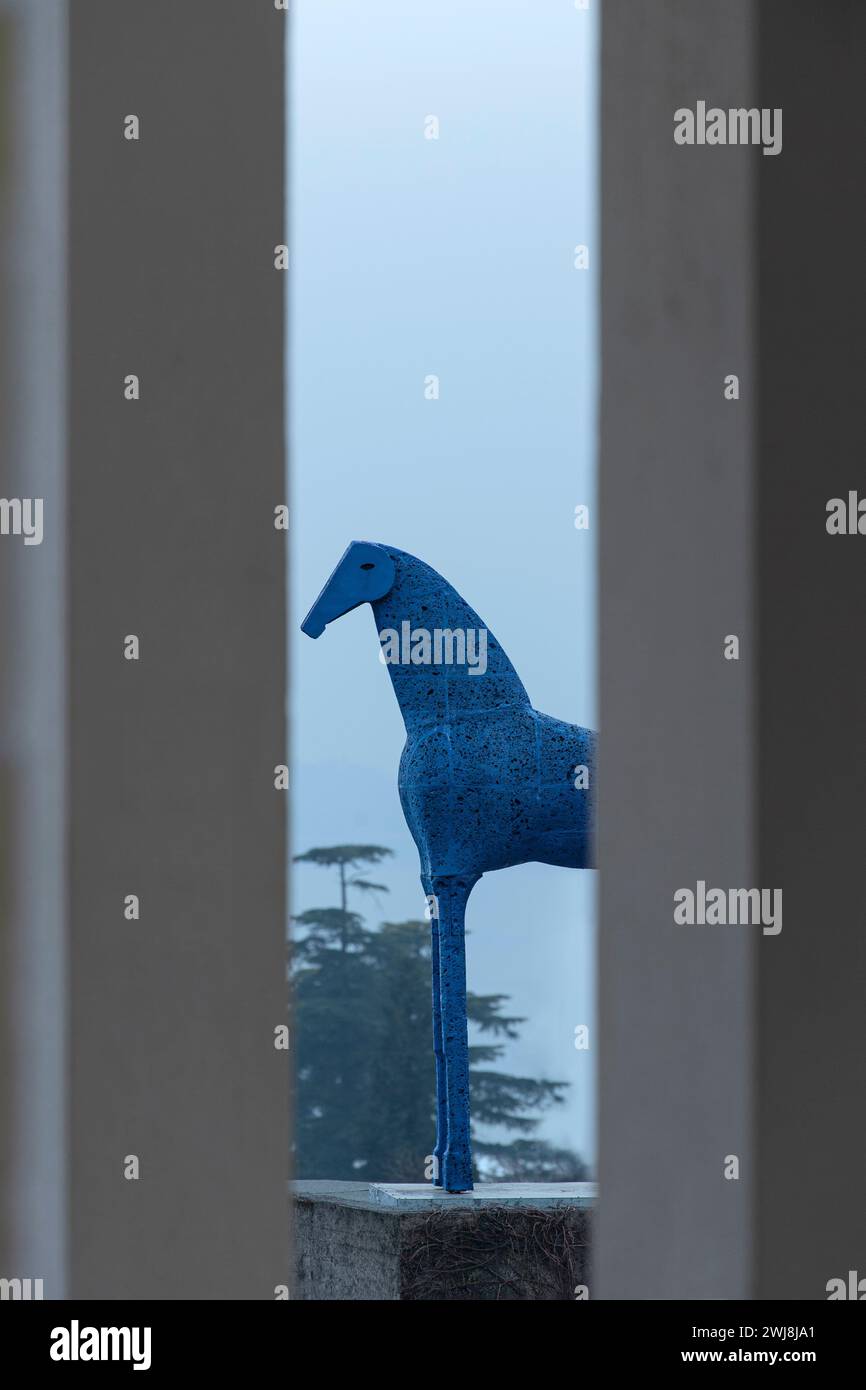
(485, 781)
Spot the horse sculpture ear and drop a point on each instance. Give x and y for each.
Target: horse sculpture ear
(365, 573)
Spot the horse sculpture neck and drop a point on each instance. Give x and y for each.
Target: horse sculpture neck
(444, 662)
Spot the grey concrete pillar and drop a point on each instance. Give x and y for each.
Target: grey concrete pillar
(721, 1041)
(32, 669)
(677, 785)
(811, 603)
(172, 541)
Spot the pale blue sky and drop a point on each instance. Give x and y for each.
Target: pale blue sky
(451, 256)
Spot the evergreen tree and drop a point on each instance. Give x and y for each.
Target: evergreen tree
(366, 1086)
(335, 1018)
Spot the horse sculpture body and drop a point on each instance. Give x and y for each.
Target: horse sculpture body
(485, 781)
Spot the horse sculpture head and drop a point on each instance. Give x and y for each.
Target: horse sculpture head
(365, 573)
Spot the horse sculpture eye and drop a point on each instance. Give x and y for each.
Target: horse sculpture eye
(369, 566)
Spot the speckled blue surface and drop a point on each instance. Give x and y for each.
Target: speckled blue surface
(485, 782)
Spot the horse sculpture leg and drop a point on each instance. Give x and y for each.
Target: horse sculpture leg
(452, 894)
(438, 1049)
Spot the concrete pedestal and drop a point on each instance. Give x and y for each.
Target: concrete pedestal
(523, 1241)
